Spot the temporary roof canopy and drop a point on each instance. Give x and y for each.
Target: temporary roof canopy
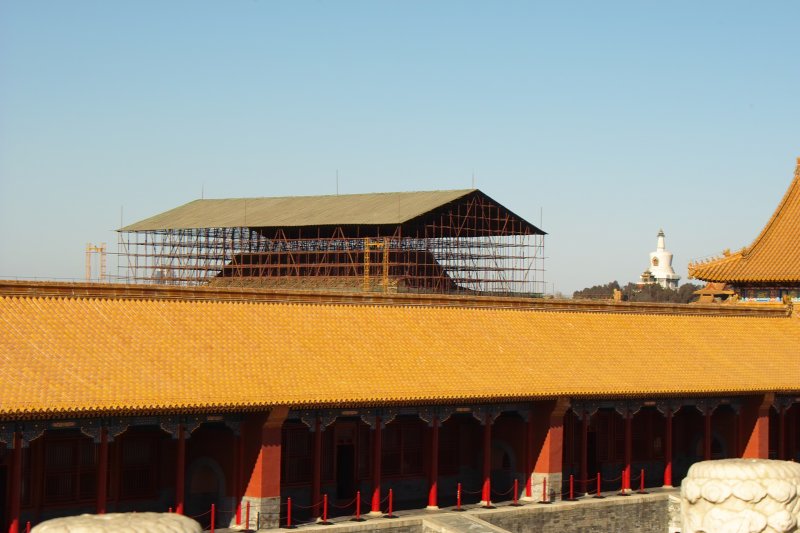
(376, 209)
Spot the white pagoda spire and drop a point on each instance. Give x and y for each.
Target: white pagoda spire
(660, 270)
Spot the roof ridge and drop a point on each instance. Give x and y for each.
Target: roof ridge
(425, 191)
(111, 291)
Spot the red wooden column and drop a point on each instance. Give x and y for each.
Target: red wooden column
(263, 488)
(707, 434)
(180, 470)
(237, 474)
(668, 449)
(529, 451)
(486, 491)
(782, 433)
(584, 451)
(433, 491)
(15, 486)
(548, 444)
(102, 472)
(316, 474)
(375, 510)
(626, 473)
(754, 425)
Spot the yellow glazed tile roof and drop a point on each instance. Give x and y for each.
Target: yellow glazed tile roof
(774, 257)
(95, 355)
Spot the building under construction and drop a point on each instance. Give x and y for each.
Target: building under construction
(438, 242)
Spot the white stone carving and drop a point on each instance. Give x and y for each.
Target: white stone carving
(129, 522)
(741, 496)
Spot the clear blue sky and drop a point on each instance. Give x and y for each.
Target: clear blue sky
(616, 118)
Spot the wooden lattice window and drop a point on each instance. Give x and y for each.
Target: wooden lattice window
(603, 436)
(449, 457)
(619, 437)
(402, 448)
(641, 446)
(70, 469)
(298, 454)
(139, 464)
(363, 452)
(328, 450)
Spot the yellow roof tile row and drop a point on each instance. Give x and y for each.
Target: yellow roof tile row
(82, 355)
(774, 257)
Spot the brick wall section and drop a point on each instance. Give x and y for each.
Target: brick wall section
(634, 514)
(649, 513)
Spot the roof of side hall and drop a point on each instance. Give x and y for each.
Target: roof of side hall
(112, 353)
(774, 257)
(304, 211)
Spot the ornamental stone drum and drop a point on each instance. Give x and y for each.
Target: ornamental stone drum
(120, 522)
(741, 496)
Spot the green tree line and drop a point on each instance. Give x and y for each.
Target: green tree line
(634, 293)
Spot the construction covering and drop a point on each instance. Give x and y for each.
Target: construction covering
(437, 241)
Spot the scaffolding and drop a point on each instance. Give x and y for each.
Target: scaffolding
(471, 246)
(101, 251)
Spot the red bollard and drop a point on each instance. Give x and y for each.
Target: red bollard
(390, 503)
(27, 527)
(571, 488)
(528, 487)
(247, 516)
(239, 514)
(289, 513)
(598, 487)
(213, 516)
(516, 492)
(641, 482)
(358, 506)
(170, 510)
(544, 491)
(324, 508)
(458, 498)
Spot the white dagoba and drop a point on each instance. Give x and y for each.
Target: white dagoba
(660, 270)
